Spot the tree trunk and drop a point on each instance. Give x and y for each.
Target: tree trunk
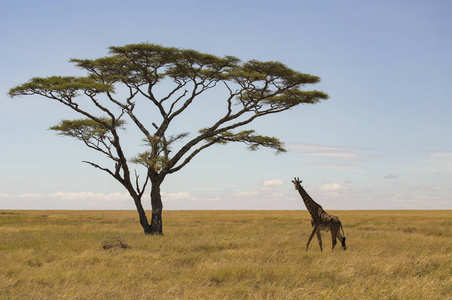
(141, 213)
(156, 226)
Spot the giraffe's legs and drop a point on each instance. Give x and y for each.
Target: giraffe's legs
(310, 237)
(319, 237)
(334, 235)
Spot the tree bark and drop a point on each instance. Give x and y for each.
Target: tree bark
(142, 214)
(156, 226)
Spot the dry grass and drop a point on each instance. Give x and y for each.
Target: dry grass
(223, 255)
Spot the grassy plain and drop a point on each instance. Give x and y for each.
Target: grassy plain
(224, 255)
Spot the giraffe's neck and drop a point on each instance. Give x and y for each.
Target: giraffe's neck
(313, 208)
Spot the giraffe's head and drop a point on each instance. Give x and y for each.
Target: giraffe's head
(297, 182)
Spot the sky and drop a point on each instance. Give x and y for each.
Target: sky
(382, 140)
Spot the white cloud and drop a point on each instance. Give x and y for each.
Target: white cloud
(272, 194)
(65, 200)
(332, 187)
(177, 196)
(269, 185)
(273, 182)
(267, 188)
(441, 155)
(390, 176)
(332, 152)
(245, 194)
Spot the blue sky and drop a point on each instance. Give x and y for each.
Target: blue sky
(382, 141)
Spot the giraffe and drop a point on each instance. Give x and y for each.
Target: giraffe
(321, 220)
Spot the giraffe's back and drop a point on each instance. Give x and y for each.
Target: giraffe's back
(326, 222)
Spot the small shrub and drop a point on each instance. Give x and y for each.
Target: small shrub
(114, 244)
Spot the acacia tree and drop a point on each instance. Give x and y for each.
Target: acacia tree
(139, 80)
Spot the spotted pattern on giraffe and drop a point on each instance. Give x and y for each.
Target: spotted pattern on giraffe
(321, 220)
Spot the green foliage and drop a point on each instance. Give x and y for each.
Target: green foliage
(96, 134)
(57, 86)
(253, 141)
(293, 97)
(87, 128)
(138, 64)
(148, 160)
(271, 71)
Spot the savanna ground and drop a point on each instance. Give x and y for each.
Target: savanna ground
(224, 255)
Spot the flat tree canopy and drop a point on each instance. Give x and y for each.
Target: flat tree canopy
(253, 89)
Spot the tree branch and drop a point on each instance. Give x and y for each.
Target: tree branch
(215, 130)
(103, 169)
(193, 154)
